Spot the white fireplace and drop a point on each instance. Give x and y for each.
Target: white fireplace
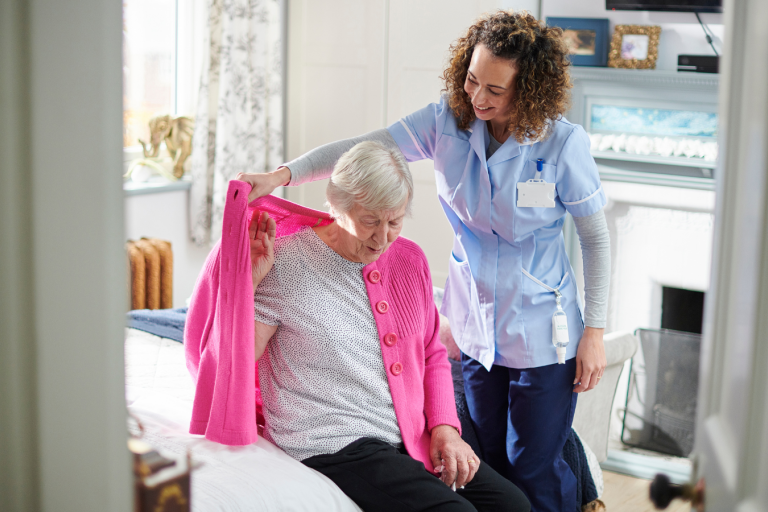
(660, 208)
(653, 247)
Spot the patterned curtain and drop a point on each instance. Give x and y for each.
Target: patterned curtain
(239, 125)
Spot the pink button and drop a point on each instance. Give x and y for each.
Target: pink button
(374, 276)
(390, 339)
(382, 307)
(396, 368)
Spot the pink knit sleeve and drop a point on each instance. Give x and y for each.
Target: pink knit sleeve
(439, 400)
(201, 311)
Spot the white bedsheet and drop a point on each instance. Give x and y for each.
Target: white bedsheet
(257, 477)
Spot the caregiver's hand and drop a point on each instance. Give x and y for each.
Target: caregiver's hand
(262, 233)
(264, 183)
(590, 360)
(449, 449)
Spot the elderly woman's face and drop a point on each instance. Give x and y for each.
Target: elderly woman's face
(366, 234)
(490, 84)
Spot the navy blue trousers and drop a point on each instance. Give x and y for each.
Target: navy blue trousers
(522, 419)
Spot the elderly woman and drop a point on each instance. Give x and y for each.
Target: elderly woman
(354, 380)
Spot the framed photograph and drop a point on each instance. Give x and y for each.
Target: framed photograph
(587, 39)
(634, 47)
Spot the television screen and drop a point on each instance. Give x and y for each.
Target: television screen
(665, 5)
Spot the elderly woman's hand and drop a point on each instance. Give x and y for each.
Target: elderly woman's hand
(446, 337)
(459, 463)
(262, 233)
(264, 183)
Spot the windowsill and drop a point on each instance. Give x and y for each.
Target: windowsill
(156, 185)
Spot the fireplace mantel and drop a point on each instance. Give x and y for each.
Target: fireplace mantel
(647, 89)
(647, 77)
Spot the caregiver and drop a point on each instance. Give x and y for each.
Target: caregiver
(508, 168)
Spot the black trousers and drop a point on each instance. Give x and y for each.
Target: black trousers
(378, 476)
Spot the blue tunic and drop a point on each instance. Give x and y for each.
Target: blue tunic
(499, 314)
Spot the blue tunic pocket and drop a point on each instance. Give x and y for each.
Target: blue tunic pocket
(458, 296)
(529, 219)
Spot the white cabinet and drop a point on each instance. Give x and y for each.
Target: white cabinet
(358, 65)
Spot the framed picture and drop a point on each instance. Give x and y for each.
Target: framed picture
(634, 46)
(587, 39)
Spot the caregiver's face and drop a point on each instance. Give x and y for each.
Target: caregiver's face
(366, 234)
(490, 84)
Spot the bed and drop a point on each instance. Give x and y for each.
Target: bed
(260, 476)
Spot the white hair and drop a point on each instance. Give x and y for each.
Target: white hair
(371, 175)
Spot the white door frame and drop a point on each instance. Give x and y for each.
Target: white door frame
(732, 428)
(62, 264)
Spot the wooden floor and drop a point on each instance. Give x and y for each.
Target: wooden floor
(627, 494)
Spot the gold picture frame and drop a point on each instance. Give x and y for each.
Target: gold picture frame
(634, 47)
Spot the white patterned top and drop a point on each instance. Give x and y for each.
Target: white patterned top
(322, 375)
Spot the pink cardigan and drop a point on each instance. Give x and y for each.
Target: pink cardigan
(218, 336)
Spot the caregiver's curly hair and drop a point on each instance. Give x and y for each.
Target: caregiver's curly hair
(542, 84)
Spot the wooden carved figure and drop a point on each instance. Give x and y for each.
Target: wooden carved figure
(177, 134)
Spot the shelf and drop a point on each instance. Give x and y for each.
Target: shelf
(646, 77)
(699, 163)
(608, 173)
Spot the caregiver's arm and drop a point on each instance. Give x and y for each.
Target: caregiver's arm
(596, 253)
(314, 165)
(318, 163)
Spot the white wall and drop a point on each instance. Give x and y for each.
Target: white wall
(165, 215)
(335, 83)
(356, 66)
(680, 32)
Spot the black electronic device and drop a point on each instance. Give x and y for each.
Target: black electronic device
(665, 5)
(698, 63)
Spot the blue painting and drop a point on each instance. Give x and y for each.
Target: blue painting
(653, 121)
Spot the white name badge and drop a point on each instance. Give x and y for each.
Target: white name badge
(535, 194)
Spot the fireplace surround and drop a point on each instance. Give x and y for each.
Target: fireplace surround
(660, 207)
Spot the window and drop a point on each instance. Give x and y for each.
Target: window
(149, 65)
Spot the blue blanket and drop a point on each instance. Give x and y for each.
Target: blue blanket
(166, 323)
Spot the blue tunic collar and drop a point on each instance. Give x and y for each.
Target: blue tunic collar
(480, 139)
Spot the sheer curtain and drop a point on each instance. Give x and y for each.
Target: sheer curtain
(239, 125)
